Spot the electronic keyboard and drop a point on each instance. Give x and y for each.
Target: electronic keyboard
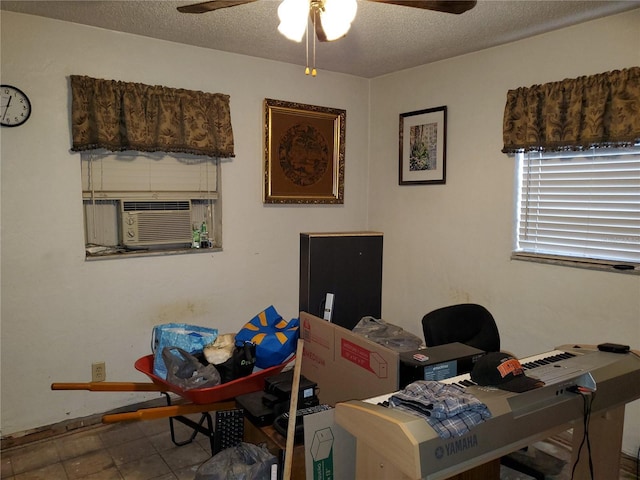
(517, 418)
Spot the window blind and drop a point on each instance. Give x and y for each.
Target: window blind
(580, 204)
(139, 175)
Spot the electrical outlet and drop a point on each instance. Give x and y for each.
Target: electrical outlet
(98, 372)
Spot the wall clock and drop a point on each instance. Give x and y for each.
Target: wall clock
(15, 106)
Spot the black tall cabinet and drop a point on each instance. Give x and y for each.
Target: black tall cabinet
(349, 265)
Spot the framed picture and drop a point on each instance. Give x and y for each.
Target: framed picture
(304, 153)
(423, 146)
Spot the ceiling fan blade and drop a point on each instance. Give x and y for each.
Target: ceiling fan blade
(320, 33)
(204, 7)
(446, 6)
(331, 34)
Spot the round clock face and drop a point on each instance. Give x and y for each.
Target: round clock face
(15, 107)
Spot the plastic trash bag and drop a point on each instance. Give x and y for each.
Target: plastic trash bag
(191, 338)
(185, 371)
(245, 461)
(387, 334)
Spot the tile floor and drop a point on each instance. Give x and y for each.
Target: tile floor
(120, 451)
(144, 451)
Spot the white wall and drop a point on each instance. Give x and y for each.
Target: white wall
(443, 243)
(60, 312)
(451, 243)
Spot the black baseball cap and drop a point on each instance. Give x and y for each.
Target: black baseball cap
(503, 371)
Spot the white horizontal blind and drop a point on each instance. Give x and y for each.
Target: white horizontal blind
(580, 204)
(141, 175)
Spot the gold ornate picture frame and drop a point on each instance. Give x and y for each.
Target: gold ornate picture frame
(304, 153)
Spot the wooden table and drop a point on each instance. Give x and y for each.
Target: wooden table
(276, 445)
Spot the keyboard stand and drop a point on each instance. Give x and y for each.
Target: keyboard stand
(605, 434)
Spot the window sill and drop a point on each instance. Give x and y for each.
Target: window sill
(149, 253)
(590, 264)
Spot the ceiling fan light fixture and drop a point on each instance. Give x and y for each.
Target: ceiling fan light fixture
(336, 17)
(293, 18)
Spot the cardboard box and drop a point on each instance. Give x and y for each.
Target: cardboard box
(345, 366)
(330, 450)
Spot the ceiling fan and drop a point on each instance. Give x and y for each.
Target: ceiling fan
(319, 8)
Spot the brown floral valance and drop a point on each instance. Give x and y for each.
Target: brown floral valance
(120, 116)
(574, 114)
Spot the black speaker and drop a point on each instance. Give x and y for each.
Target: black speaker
(348, 265)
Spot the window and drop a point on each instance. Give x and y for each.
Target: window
(580, 208)
(141, 203)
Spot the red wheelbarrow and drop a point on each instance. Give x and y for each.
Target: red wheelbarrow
(201, 400)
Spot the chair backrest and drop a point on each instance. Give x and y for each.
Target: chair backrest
(466, 323)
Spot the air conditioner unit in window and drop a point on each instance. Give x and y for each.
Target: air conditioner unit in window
(147, 223)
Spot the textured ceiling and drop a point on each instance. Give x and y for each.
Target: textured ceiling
(383, 38)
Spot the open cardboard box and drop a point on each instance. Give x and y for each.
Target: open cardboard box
(345, 366)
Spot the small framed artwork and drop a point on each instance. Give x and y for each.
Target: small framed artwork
(423, 146)
(304, 153)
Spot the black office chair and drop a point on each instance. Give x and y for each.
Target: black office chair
(473, 325)
(467, 323)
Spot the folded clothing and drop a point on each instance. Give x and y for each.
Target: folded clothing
(449, 409)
